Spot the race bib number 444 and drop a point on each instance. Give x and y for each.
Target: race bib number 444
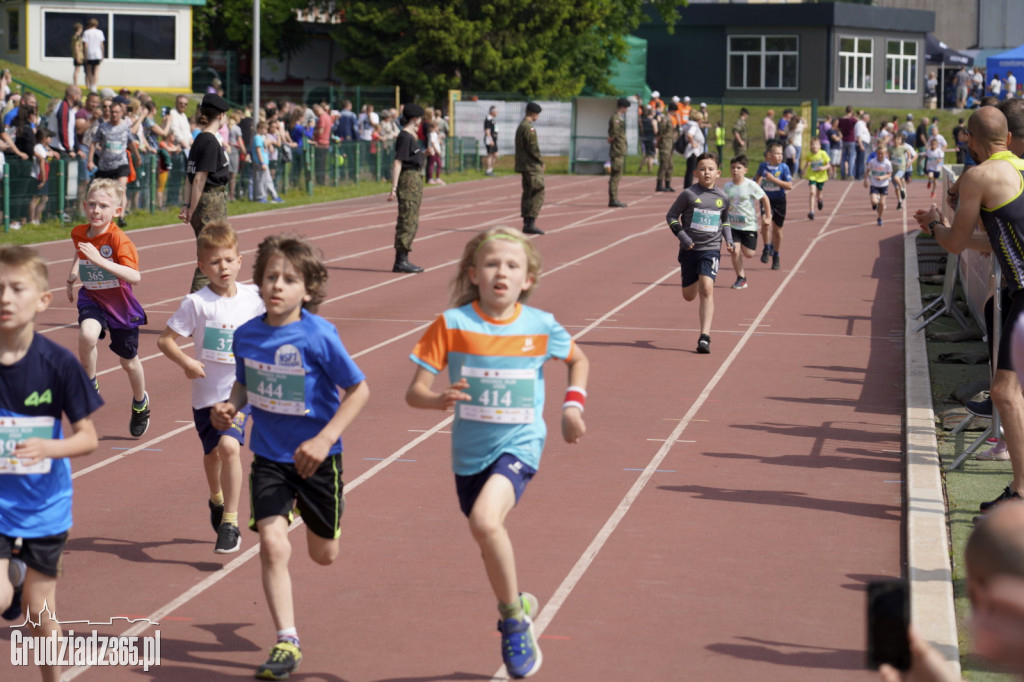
(500, 396)
(276, 388)
(14, 430)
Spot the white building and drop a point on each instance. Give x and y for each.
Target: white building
(148, 43)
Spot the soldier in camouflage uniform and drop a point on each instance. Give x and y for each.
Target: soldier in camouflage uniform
(667, 136)
(531, 166)
(617, 153)
(407, 186)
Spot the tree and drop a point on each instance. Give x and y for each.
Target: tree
(541, 48)
(228, 23)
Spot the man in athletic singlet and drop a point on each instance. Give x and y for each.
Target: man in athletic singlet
(997, 180)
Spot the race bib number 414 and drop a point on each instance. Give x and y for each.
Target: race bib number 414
(500, 396)
(14, 430)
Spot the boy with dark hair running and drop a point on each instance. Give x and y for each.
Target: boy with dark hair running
(775, 179)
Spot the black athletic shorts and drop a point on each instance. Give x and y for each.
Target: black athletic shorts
(746, 239)
(1011, 309)
(43, 554)
(778, 202)
(275, 488)
(124, 342)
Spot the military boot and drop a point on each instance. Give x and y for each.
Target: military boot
(530, 226)
(402, 263)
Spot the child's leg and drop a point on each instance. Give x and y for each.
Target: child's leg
(487, 523)
(737, 259)
(229, 472)
(881, 204)
(776, 238)
(874, 199)
(88, 336)
(322, 550)
(136, 377)
(40, 207)
(706, 288)
(39, 599)
(690, 291)
(6, 588)
(212, 468)
(275, 551)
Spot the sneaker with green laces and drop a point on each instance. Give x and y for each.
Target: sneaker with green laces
(283, 661)
(139, 423)
(519, 648)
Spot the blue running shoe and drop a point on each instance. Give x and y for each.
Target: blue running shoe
(519, 647)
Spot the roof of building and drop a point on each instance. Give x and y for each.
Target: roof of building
(840, 14)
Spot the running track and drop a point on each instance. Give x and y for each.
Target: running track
(719, 521)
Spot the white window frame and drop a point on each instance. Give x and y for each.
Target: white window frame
(109, 33)
(763, 53)
(903, 66)
(861, 64)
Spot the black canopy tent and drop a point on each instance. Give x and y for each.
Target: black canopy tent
(938, 52)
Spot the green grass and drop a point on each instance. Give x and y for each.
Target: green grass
(968, 486)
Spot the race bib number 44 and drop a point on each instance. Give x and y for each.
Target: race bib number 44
(500, 396)
(218, 342)
(14, 430)
(276, 388)
(95, 277)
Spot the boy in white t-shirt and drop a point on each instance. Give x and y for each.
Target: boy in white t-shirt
(744, 195)
(211, 316)
(93, 39)
(902, 159)
(876, 177)
(934, 157)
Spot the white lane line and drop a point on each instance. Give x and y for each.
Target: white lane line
(551, 609)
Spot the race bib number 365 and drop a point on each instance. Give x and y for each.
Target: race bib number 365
(14, 430)
(94, 277)
(276, 388)
(500, 396)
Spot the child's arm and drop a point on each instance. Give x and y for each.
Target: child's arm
(573, 427)
(82, 441)
(766, 211)
(128, 274)
(784, 184)
(73, 276)
(311, 453)
(168, 345)
(221, 414)
(420, 394)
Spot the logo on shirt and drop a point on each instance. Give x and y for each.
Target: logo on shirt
(528, 345)
(696, 201)
(718, 203)
(38, 398)
(106, 251)
(516, 467)
(288, 356)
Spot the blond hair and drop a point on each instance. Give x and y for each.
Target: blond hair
(112, 187)
(303, 257)
(464, 291)
(19, 256)
(216, 234)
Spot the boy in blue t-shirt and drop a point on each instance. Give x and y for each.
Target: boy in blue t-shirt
(39, 383)
(289, 365)
(775, 179)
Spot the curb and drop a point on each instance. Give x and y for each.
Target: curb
(927, 538)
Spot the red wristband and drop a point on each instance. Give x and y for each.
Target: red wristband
(575, 396)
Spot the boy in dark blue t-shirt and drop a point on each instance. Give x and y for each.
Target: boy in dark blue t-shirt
(39, 383)
(775, 179)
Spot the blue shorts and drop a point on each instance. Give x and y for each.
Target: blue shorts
(209, 434)
(697, 263)
(884, 191)
(123, 342)
(509, 466)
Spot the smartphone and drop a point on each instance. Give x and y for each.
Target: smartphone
(888, 620)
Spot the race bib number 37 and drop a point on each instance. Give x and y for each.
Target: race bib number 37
(276, 388)
(500, 396)
(14, 430)
(218, 340)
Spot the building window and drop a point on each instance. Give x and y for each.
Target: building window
(855, 55)
(901, 66)
(13, 30)
(134, 36)
(763, 62)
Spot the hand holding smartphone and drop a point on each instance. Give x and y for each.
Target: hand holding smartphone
(888, 620)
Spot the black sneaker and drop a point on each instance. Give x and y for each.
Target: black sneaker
(283, 661)
(139, 423)
(821, 205)
(766, 254)
(980, 408)
(810, 215)
(229, 539)
(704, 344)
(775, 261)
(1007, 494)
(216, 515)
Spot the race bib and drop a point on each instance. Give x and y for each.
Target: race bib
(276, 388)
(500, 396)
(704, 220)
(94, 277)
(14, 430)
(737, 219)
(218, 340)
(817, 165)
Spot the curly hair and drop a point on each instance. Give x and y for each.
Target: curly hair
(303, 257)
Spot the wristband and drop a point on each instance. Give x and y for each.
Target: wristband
(575, 396)
(932, 224)
(951, 193)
